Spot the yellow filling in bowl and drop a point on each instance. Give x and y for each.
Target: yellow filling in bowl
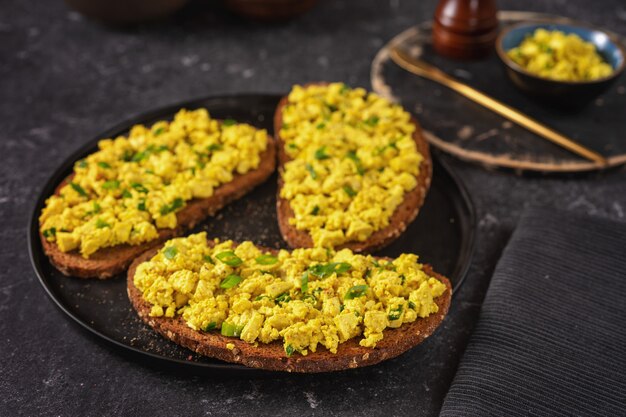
(133, 186)
(555, 55)
(304, 299)
(353, 158)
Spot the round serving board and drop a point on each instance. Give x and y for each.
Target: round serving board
(468, 131)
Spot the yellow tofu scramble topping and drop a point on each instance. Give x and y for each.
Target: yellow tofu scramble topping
(555, 55)
(304, 298)
(133, 186)
(352, 160)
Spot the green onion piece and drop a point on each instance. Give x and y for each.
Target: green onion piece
(230, 281)
(266, 260)
(325, 270)
(229, 258)
(82, 163)
(127, 155)
(229, 122)
(402, 279)
(289, 350)
(139, 187)
(209, 259)
(51, 232)
(304, 282)
(142, 205)
(111, 185)
(372, 121)
(341, 308)
(292, 146)
(315, 211)
(101, 224)
(159, 131)
(331, 107)
(412, 305)
(140, 156)
(170, 252)
(231, 330)
(359, 166)
(214, 147)
(395, 313)
(80, 190)
(320, 126)
(367, 273)
(149, 171)
(211, 326)
(356, 292)
(311, 171)
(173, 206)
(321, 154)
(283, 298)
(349, 190)
(103, 164)
(260, 297)
(344, 89)
(309, 298)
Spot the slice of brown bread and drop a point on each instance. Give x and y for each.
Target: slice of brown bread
(108, 262)
(272, 356)
(404, 214)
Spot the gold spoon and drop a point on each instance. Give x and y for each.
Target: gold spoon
(423, 69)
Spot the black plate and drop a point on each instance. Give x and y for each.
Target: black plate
(443, 235)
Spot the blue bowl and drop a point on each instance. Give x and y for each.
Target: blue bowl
(566, 93)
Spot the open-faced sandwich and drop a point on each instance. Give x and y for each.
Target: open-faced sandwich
(139, 190)
(309, 310)
(354, 168)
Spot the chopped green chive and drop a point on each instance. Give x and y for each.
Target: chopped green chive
(231, 330)
(214, 147)
(139, 187)
(211, 326)
(82, 164)
(372, 121)
(170, 252)
(103, 164)
(331, 107)
(111, 185)
(140, 156)
(326, 270)
(230, 281)
(266, 260)
(344, 89)
(412, 305)
(349, 190)
(320, 126)
(289, 350)
(229, 122)
(229, 258)
(51, 232)
(315, 211)
(359, 166)
(321, 154)
(80, 190)
(356, 292)
(309, 298)
(159, 131)
(395, 313)
(142, 205)
(101, 224)
(172, 207)
(367, 273)
(209, 259)
(311, 171)
(283, 298)
(304, 282)
(260, 297)
(292, 146)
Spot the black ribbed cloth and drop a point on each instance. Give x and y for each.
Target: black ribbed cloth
(551, 336)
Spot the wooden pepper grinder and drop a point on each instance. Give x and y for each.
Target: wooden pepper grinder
(465, 29)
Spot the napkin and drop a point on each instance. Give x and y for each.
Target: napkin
(551, 336)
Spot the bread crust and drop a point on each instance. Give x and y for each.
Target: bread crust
(108, 262)
(404, 214)
(272, 356)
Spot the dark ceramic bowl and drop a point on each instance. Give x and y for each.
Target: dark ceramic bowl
(269, 10)
(124, 12)
(566, 93)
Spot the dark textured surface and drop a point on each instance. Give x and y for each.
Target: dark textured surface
(554, 315)
(64, 78)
